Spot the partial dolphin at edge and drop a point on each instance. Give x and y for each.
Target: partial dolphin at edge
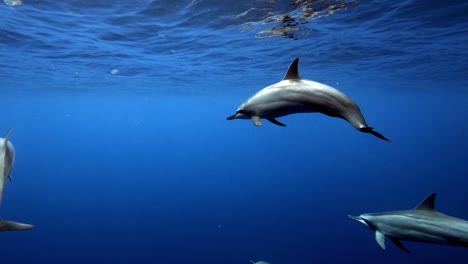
(7, 157)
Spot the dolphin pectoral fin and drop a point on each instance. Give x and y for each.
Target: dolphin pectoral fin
(373, 132)
(251, 262)
(380, 238)
(399, 244)
(256, 120)
(276, 122)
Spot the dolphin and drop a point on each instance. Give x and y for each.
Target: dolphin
(293, 95)
(258, 262)
(7, 158)
(421, 224)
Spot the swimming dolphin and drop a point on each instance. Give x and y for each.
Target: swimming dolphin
(421, 224)
(293, 95)
(7, 158)
(258, 262)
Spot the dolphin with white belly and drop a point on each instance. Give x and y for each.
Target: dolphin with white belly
(421, 224)
(7, 158)
(294, 95)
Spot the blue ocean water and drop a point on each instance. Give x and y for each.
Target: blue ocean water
(124, 154)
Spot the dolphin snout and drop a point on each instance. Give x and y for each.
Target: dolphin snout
(234, 116)
(357, 218)
(361, 220)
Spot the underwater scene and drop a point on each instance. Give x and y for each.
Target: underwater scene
(219, 131)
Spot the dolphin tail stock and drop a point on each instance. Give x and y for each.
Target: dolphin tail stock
(373, 132)
(6, 225)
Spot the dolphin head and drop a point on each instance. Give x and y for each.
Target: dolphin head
(362, 219)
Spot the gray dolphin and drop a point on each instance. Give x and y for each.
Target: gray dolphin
(258, 262)
(293, 95)
(421, 224)
(7, 158)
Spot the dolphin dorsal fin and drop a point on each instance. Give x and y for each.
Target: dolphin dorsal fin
(292, 72)
(428, 203)
(5, 139)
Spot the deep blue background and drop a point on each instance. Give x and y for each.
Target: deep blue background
(142, 167)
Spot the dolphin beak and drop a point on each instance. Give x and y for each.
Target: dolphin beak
(234, 116)
(360, 220)
(357, 218)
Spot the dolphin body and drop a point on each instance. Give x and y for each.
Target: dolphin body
(258, 262)
(7, 158)
(293, 95)
(421, 224)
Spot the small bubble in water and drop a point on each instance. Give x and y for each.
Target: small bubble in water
(13, 2)
(114, 71)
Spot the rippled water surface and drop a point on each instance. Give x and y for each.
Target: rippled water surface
(179, 43)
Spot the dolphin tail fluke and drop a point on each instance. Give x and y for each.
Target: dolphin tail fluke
(13, 226)
(377, 134)
(373, 132)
